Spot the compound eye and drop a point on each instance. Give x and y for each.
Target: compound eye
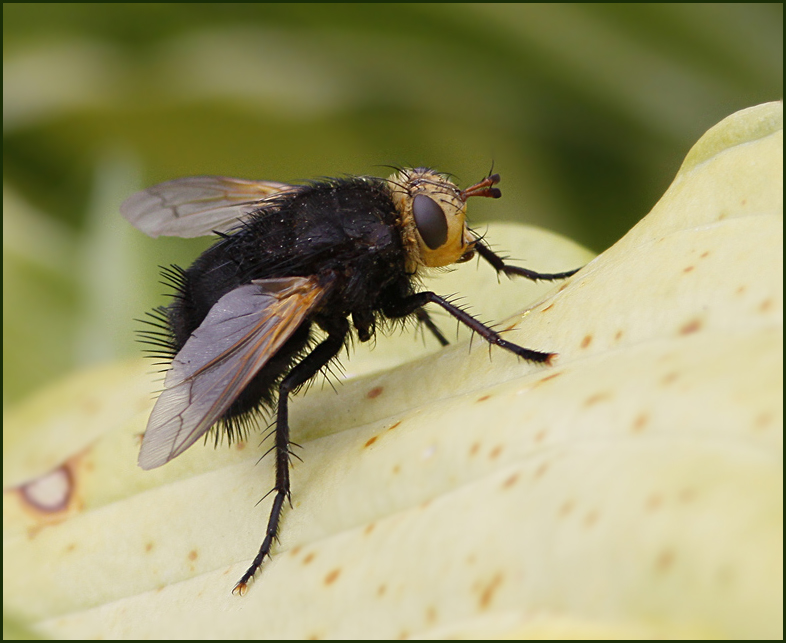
(430, 221)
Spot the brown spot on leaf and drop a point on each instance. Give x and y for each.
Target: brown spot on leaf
(551, 376)
(549, 307)
(692, 326)
(374, 392)
(381, 590)
(397, 424)
(688, 268)
(495, 452)
(598, 397)
(540, 435)
(765, 306)
(71, 547)
(639, 422)
(332, 576)
(687, 495)
(567, 507)
(431, 614)
(618, 335)
(239, 446)
(295, 550)
(148, 546)
(370, 441)
(510, 481)
(487, 593)
(591, 518)
(542, 468)
(763, 420)
(90, 406)
(308, 557)
(665, 560)
(704, 254)
(586, 341)
(369, 528)
(740, 290)
(192, 555)
(669, 378)
(483, 399)
(653, 502)
(473, 450)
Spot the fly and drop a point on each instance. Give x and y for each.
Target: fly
(343, 255)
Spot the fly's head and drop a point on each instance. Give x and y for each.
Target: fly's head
(432, 214)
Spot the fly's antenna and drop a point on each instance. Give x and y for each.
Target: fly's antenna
(484, 188)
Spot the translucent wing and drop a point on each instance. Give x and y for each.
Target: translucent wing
(242, 331)
(197, 206)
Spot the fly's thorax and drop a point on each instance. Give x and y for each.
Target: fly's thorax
(432, 215)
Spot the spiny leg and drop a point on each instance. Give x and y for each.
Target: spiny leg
(300, 374)
(500, 266)
(413, 303)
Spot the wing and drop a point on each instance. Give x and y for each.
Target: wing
(197, 206)
(242, 331)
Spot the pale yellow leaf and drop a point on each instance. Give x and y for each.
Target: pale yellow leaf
(632, 490)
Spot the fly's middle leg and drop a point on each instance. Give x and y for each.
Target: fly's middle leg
(425, 319)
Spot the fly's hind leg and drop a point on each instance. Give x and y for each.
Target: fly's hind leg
(300, 374)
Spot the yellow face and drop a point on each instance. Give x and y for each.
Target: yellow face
(433, 218)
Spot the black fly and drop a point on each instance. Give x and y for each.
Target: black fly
(241, 325)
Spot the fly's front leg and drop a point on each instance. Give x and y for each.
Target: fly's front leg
(413, 303)
(500, 266)
(300, 374)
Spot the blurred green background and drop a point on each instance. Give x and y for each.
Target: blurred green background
(585, 110)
